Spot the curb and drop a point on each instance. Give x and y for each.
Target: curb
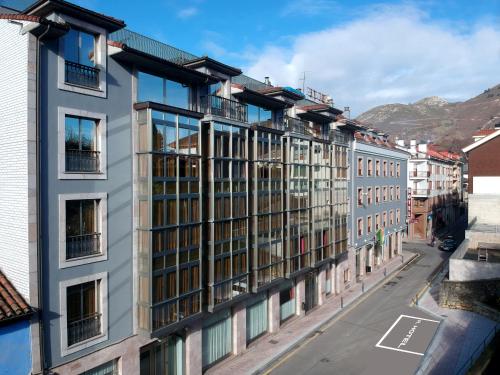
(434, 274)
(322, 326)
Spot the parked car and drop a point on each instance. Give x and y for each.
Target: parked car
(448, 245)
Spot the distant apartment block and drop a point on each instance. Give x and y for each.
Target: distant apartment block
(160, 210)
(434, 189)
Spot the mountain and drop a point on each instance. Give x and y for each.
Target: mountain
(450, 125)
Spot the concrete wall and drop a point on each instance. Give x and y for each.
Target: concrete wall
(467, 270)
(118, 187)
(487, 185)
(484, 209)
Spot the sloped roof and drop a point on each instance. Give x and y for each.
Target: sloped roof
(495, 134)
(483, 132)
(12, 304)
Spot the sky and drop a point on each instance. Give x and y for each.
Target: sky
(361, 53)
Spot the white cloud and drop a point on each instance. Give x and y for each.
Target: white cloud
(389, 54)
(187, 12)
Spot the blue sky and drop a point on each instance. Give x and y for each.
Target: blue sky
(362, 53)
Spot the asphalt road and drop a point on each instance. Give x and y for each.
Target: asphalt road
(348, 346)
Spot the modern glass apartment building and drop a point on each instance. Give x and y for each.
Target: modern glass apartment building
(183, 209)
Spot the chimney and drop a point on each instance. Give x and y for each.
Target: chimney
(267, 81)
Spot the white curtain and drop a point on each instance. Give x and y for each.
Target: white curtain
(256, 319)
(216, 341)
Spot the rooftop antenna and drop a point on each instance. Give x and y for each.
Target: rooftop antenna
(303, 79)
(347, 111)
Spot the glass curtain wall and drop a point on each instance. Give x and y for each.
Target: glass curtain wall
(298, 205)
(228, 233)
(169, 230)
(267, 241)
(340, 198)
(321, 201)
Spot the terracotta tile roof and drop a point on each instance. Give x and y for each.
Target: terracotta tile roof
(12, 304)
(483, 132)
(19, 17)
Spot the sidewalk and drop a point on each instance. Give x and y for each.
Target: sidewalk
(262, 353)
(458, 336)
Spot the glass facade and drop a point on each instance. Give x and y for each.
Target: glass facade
(267, 221)
(340, 198)
(170, 232)
(161, 90)
(228, 212)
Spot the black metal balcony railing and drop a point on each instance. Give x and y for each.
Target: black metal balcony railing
(219, 106)
(82, 161)
(81, 75)
(83, 245)
(83, 329)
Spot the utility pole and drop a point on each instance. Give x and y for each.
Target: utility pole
(303, 79)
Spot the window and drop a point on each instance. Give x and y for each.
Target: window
(360, 197)
(384, 219)
(398, 169)
(377, 195)
(368, 224)
(385, 168)
(398, 193)
(82, 144)
(392, 169)
(398, 216)
(385, 193)
(82, 232)
(83, 312)
(161, 90)
(370, 167)
(79, 55)
(370, 195)
(391, 217)
(82, 237)
(82, 58)
(377, 222)
(360, 227)
(377, 167)
(259, 116)
(108, 368)
(391, 193)
(360, 166)
(347, 275)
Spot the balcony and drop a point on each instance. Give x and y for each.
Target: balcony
(227, 108)
(82, 161)
(421, 192)
(419, 174)
(83, 245)
(295, 125)
(84, 329)
(81, 75)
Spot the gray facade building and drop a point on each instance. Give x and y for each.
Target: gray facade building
(171, 209)
(379, 203)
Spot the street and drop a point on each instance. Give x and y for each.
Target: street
(381, 335)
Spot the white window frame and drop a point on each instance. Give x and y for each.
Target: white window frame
(100, 58)
(102, 218)
(101, 137)
(103, 293)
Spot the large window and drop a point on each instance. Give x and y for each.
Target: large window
(80, 58)
(83, 312)
(161, 90)
(81, 150)
(82, 232)
(259, 116)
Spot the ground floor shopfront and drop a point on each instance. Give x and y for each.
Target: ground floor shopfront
(375, 254)
(208, 341)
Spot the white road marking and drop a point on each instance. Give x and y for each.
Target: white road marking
(392, 327)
